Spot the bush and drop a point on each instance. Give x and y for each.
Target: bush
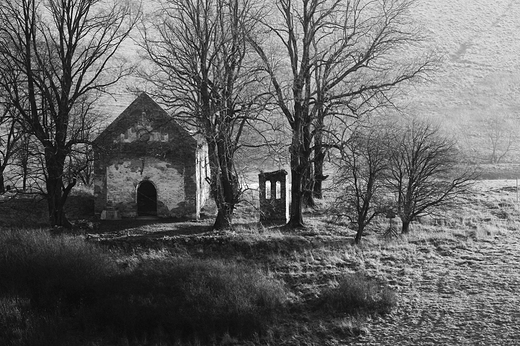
(51, 270)
(65, 284)
(190, 298)
(357, 294)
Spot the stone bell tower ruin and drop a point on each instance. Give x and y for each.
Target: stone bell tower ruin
(274, 204)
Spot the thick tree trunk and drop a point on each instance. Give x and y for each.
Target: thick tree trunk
(359, 234)
(226, 200)
(405, 229)
(224, 217)
(2, 182)
(305, 160)
(319, 156)
(319, 161)
(308, 188)
(56, 198)
(295, 212)
(25, 174)
(57, 194)
(297, 179)
(224, 183)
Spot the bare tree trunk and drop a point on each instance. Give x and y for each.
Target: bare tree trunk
(308, 187)
(56, 198)
(25, 174)
(224, 183)
(296, 214)
(306, 157)
(224, 216)
(405, 229)
(297, 179)
(57, 194)
(359, 234)
(2, 182)
(319, 161)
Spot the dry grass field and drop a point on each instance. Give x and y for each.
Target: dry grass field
(453, 281)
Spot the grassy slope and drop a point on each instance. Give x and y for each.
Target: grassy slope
(453, 271)
(456, 271)
(478, 79)
(481, 69)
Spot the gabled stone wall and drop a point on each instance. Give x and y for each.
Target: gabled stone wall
(144, 144)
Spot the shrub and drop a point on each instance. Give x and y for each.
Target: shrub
(190, 298)
(71, 288)
(51, 270)
(21, 326)
(358, 294)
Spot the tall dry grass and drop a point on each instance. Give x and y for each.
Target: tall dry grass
(58, 288)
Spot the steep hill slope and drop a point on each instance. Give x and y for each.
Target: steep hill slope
(480, 75)
(475, 93)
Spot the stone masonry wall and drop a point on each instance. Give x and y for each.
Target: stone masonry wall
(145, 143)
(123, 177)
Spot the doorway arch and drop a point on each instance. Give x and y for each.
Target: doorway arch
(146, 199)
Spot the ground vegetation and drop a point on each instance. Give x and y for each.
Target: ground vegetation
(310, 286)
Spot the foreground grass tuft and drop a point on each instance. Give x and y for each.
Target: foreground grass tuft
(182, 298)
(358, 294)
(51, 270)
(61, 287)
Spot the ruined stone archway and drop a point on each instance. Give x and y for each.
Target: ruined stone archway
(146, 199)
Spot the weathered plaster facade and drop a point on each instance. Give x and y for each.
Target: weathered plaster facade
(148, 165)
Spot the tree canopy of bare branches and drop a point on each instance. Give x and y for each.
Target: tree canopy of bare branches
(10, 135)
(362, 167)
(55, 56)
(203, 71)
(334, 59)
(425, 171)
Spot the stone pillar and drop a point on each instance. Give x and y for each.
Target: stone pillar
(274, 204)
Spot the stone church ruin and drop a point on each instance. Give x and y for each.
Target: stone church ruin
(147, 165)
(274, 204)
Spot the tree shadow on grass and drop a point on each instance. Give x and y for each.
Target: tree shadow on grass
(152, 227)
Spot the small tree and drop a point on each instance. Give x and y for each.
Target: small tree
(501, 133)
(363, 165)
(425, 171)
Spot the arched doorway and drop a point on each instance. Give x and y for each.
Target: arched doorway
(146, 199)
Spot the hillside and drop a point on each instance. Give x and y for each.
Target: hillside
(480, 75)
(475, 93)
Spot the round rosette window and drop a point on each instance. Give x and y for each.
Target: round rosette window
(143, 135)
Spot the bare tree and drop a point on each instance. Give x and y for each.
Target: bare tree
(501, 133)
(363, 166)
(56, 53)
(10, 133)
(342, 58)
(85, 122)
(425, 171)
(80, 164)
(203, 71)
(25, 162)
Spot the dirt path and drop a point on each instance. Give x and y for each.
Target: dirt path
(462, 293)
